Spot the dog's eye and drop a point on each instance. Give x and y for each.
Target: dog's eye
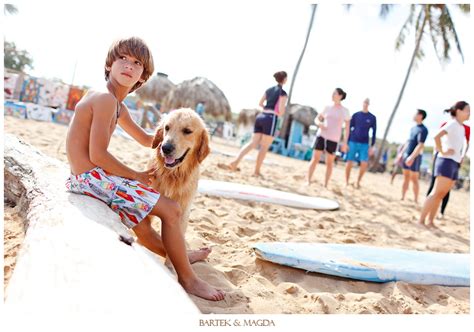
(167, 128)
(187, 131)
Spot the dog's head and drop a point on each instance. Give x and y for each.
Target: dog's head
(182, 139)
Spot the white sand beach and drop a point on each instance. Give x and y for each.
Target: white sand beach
(372, 215)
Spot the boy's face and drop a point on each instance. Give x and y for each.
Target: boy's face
(127, 70)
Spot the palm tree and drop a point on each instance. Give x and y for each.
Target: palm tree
(437, 19)
(10, 9)
(286, 118)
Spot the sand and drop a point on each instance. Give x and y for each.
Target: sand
(372, 215)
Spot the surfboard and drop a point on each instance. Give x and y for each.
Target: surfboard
(368, 263)
(266, 195)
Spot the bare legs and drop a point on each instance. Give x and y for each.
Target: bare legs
(329, 165)
(348, 171)
(442, 186)
(265, 143)
(253, 144)
(173, 243)
(313, 163)
(414, 178)
(362, 170)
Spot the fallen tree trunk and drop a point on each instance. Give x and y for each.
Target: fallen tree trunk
(72, 260)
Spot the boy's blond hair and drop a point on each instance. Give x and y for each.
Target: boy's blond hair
(135, 47)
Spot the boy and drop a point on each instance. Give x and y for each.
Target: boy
(96, 173)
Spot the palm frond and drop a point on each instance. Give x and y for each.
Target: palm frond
(465, 8)
(385, 9)
(10, 9)
(452, 29)
(405, 30)
(433, 24)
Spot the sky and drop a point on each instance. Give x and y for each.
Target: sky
(239, 45)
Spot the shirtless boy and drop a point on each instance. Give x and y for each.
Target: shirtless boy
(97, 173)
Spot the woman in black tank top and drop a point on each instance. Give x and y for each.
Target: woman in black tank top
(266, 122)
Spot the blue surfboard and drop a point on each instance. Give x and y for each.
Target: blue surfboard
(370, 263)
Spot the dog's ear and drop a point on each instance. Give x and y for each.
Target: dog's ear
(158, 137)
(203, 149)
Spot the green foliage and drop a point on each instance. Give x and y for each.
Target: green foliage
(16, 59)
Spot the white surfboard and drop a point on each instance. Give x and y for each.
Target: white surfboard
(265, 195)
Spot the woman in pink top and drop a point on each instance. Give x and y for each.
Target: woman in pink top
(330, 123)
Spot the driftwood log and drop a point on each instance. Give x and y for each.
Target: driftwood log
(72, 261)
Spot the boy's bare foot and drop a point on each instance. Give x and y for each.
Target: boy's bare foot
(198, 255)
(202, 289)
(257, 175)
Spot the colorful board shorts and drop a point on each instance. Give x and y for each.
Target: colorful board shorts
(130, 199)
(446, 167)
(358, 149)
(415, 167)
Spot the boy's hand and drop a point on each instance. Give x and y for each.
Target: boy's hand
(146, 177)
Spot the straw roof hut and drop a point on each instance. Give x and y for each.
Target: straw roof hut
(302, 113)
(156, 89)
(247, 116)
(191, 92)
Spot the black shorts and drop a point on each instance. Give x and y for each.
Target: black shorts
(265, 123)
(323, 144)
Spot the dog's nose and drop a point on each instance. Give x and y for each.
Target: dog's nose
(167, 148)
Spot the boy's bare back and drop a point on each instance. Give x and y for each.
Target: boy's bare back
(105, 108)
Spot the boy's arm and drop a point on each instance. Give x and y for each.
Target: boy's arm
(126, 122)
(99, 140)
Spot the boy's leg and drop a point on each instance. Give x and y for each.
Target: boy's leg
(170, 214)
(149, 238)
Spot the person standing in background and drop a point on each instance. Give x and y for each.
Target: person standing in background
(330, 123)
(413, 154)
(273, 103)
(451, 147)
(361, 123)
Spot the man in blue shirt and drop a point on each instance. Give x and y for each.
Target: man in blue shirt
(361, 123)
(412, 154)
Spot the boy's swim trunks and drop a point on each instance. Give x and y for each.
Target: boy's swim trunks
(130, 199)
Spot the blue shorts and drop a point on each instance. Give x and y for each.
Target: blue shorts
(415, 167)
(265, 123)
(446, 167)
(361, 149)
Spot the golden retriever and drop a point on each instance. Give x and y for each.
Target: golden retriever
(182, 143)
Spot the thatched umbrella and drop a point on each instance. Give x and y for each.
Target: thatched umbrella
(247, 116)
(156, 89)
(302, 113)
(198, 90)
